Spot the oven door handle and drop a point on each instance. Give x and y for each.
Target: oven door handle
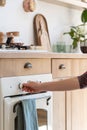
(48, 100)
(15, 106)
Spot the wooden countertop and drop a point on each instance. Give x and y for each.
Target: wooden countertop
(38, 54)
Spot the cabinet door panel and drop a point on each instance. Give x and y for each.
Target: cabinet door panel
(58, 110)
(79, 110)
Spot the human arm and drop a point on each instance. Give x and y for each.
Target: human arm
(62, 85)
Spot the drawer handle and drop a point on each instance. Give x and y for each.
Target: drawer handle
(28, 65)
(62, 66)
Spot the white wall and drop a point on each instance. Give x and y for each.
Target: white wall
(13, 18)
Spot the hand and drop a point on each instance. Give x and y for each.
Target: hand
(32, 87)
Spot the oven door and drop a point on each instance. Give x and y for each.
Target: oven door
(43, 112)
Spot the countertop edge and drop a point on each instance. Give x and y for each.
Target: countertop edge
(41, 55)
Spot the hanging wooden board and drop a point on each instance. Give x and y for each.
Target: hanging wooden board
(2, 2)
(41, 32)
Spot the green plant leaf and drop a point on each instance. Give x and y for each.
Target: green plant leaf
(65, 33)
(75, 42)
(72, 33)
(84, 16)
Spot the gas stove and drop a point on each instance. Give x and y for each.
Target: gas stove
(14, 47)
(25, 48)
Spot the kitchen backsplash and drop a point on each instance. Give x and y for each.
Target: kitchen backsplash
(59, 18)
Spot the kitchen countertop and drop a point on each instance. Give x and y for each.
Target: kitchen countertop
(38, 54)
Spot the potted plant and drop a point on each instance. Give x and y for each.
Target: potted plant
(79, 33)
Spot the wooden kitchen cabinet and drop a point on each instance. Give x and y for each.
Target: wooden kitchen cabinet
(76, 102)
(76, 107)
(70, 107)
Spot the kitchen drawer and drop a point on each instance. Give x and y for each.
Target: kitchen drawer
(82, 65)
(61, 68)
(15, 67)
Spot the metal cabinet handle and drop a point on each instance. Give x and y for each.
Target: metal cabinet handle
(28, 65)
(62, 66)
(48, 100)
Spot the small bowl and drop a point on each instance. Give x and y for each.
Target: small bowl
(84, 49)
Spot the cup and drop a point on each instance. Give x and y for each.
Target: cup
(68, 48)
(54, 48)
(59, 47)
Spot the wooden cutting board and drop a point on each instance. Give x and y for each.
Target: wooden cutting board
(41, 32)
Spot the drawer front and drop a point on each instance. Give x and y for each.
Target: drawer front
(18, 67)
(61, 68)
(79, 66)
(82, 66)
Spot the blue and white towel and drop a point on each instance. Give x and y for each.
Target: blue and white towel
(26, 118)
(30, 114)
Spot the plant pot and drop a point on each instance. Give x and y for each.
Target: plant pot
(77, 49)
(84, 49)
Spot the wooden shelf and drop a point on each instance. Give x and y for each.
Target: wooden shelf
(68, 3)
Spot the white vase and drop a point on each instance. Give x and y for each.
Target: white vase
(77, 49)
